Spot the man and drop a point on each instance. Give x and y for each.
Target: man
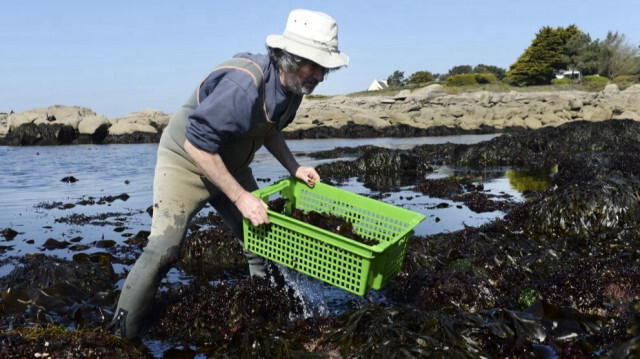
(205, 151)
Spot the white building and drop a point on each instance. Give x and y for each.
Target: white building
(569, 74)
(378, 85)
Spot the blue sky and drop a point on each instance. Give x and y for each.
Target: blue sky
(117, 57)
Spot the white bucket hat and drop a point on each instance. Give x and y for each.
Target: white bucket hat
(312, 35)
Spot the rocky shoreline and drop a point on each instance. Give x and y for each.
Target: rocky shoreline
(428, 111)
(555, 277)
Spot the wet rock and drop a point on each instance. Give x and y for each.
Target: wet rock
(8, 234)
(379, 168)
(32, 134)
(46, 289)
(101, 219)
(592, 196)
(441, 188)
(135, 137)
(51, 244)
(109, 199)
(69, 179)
(61, 125)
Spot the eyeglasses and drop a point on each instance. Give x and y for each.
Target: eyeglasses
(315, 67)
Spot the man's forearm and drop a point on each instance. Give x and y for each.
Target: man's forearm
(212, 167)
(277, 146)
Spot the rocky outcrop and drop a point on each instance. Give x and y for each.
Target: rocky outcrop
(4, 124)
(427, 111)
(60, 125)
(431, 111)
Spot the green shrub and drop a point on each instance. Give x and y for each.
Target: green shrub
(462, 80)
(508, 81)
(561, 81)
(595, 78)
(486, 78)
(420, 77)
(624, 81)
(316, 97)
(472, 79)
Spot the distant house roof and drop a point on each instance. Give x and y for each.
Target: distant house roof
(378, 85)
(568, 74)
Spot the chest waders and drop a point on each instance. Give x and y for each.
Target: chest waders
(180, 191)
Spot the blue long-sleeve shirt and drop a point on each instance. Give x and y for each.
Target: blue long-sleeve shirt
(228, 101)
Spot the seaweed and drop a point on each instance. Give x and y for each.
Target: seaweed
(327, 221)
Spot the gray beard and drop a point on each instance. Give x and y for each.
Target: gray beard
(296, 88)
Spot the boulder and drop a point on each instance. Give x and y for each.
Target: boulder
(156, 119)
(90, 124)
(125, 128)
(402, 95)
(433, 88)
(426, 93)
(627, 115)
(373, 121)
(611, 89)
(62, 115)
(532, 123)
(633, 89)
(593, 114)
(4, 124)
(455, 111)
(424, 111)
(575, 104)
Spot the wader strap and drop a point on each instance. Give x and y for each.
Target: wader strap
(254, 70)
(289, 114)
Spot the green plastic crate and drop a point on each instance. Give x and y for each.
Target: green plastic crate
(332, 258)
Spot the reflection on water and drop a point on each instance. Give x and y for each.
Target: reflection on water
(525, 181)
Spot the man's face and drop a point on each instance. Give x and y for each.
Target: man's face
(305, 79)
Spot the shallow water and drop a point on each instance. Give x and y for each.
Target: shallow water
(30, 177)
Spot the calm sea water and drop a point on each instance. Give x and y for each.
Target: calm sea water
(31, 179)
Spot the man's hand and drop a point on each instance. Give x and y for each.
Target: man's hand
(212, 166)
(252, 208)
(308, 175)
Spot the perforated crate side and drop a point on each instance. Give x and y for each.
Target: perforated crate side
(312, 253)
(334, 259)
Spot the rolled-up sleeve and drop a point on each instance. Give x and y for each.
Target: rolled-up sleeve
(224, 114)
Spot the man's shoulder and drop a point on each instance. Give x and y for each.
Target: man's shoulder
(261, 60)
(238, 74)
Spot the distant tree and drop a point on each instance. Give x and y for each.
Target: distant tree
(396, 79)
(545, 54)
(459, 70)
(582, 54)
(618, 57)
(498, 71)
(439, 77)
(420, 77)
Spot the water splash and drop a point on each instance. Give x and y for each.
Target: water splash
(320, 299)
